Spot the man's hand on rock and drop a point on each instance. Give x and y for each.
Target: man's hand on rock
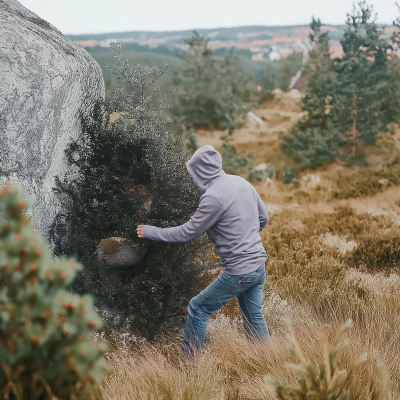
(140, 230)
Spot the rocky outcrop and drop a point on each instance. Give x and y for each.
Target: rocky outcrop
(47, 82)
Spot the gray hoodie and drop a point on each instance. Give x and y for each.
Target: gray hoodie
(230, 211)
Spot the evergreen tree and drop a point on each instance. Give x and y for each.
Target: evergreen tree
(236, 79)
(320, 73)
(392, 106)
(122, 174)
(268, 84)
(211, 92)
(363, 82)
(194, 102)
(312, 141)
(347, 111)
(392, 100)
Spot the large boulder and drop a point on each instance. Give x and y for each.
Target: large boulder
(47, 83)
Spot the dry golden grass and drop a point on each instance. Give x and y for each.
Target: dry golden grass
(313, 279)
(232, 368)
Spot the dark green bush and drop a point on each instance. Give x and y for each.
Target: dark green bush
(234, 162)
(122, 174)
(261, 174)
(288, 175)
(311, 146)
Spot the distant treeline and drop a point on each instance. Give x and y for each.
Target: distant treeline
(155, 57)
(221, 34)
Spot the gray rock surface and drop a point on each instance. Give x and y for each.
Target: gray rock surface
(46, 82)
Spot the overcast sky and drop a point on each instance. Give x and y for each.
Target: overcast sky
(97, 16)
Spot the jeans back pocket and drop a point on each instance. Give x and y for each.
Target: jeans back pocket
(244, 282)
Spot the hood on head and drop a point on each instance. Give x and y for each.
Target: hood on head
(205, 166)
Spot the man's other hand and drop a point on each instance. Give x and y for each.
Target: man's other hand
(140, 230)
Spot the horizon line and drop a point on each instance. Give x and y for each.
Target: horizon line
(210, 29)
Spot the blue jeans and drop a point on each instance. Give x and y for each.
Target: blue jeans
(248, 288)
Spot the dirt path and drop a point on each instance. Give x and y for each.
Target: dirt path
(260, 136)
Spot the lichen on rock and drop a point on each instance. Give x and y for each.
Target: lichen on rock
(47, 83)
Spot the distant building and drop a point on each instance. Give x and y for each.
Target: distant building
(257, 57)
(86, 43)
(299, 82)
(274, 54)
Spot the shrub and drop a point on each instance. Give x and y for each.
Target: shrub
(44, 345)
(234, 162)
(311, 146)
(376, 252)
(310, 252)
(366, 182)
(288, 175)
(327, 382)
(261, 172)
(122, 174)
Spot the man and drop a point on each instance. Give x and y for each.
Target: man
(232, 213)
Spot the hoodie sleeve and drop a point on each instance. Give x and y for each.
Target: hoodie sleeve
(262, 212)
(207, 214)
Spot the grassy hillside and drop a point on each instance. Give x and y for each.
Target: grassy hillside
(278, 116)
(333, 241)
(329, 260)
